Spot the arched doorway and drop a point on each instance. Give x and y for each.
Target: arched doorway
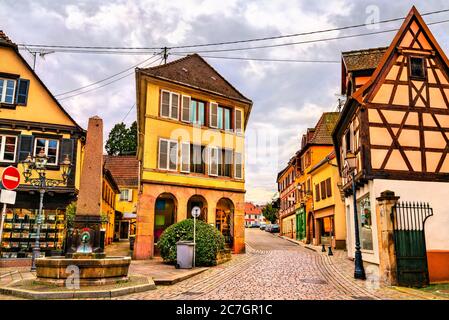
(197, 201)
(224, 219)
(164, 214)
(310, 228)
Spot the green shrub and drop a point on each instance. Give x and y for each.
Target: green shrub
(209, 241)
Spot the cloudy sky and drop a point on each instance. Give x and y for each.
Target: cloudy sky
(288, 97)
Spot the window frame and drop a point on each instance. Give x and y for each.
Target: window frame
(170, 100)
(241, 165)
(169, 141)
(3, 145)
(4, 88)
(423, 65)
(197, 113)
(210, 161)
(185, 143)
(47, 139)
(122, 198)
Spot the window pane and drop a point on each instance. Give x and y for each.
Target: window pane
(366, 234)
(173, 155)
(417, 67)
(165, 104)
(220, 117)
(228, 163)
(220, 160)
(9, 97)
(227, 118)
(174, 105)
(163, 151)
(193, 111)
(201, 119)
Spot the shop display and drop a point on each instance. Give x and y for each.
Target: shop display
(20, 231)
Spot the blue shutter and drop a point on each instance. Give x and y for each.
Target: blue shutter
(22, 91)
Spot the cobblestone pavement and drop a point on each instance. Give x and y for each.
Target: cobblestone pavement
(275, 269)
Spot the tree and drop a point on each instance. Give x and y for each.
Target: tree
(270, 213)
(122, 140)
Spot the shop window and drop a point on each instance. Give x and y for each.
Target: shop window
(365, 223)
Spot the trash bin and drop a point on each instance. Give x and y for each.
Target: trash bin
(184, 254)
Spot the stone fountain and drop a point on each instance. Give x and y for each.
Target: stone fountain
(85, 250)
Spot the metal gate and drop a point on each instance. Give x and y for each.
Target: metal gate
(410, 242)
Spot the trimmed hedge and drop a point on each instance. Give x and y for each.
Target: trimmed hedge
(209, 241)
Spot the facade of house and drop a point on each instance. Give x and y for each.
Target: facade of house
(396, 122)
(253, 215)
(191, 125)
(328, 205)
(25, 129)
(125, 170)
(109, 191)
(287, 199)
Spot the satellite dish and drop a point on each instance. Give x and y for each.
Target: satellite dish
(196, 211)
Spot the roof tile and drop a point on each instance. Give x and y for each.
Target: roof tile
(124, 169)
(364, 59)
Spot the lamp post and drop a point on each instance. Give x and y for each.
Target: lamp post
(38, 165)
(359, 271)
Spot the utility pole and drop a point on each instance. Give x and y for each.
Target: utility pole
(42, 53)
(165, 55)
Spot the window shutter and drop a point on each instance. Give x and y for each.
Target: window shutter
(213, 122)
(22, 91)
(317, 192)
(213, 161)
(25, 146)
(238, 161)
(238, 121)
(329, 187)
(163, 154)
(174, 106)
(165, 104)
(173, 159)
(185, 115)
(130, 195)
(185, 157)
(323, 190)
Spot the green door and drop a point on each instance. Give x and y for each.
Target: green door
(300, 224)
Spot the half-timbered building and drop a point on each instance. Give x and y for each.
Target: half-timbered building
(396, 124)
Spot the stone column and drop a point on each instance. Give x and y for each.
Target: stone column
(88, 208)
(387, 255)
(239, 224)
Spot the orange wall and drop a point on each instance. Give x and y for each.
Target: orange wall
(438, 262)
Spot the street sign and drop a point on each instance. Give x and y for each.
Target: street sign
(196, 211)
(10, 178)
(8, 196)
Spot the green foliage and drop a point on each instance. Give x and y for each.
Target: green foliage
(122, 140)
(270, 213)
(70, 213)
(209, 241)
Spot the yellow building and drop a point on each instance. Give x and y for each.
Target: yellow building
(125, 170)
(109, 192)
(316, 144)
(329, 208)
(31, 120)
(191, 125)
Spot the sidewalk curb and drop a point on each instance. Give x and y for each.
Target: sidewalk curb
(171, 281)
(36, 295)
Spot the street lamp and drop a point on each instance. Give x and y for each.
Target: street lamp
(359, 272)
(38, 164)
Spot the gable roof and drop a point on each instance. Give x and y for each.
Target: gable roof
(412, 15)
(6, 42)
(124, 169)
(322, 135)
(364, 59)
(195, 72)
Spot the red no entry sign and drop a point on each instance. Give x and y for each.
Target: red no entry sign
(10, 178)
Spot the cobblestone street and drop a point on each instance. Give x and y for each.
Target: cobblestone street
(275, 269)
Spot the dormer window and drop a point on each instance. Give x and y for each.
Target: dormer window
(417, 67)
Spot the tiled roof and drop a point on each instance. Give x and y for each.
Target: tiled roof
(324, 128)
(364, 59)
(4, 40)
(194, 71)
(124, 169)
(250, 208)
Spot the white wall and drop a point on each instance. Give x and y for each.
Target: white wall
(436, 194)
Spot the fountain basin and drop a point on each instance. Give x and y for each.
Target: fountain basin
(92, 271)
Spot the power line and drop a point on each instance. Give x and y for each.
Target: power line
(105, 79)
(299, 42)
(104, 85)
(132, 107)
(225, 42)
(264, 59)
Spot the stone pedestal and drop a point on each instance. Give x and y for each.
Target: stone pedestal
(387, 255)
